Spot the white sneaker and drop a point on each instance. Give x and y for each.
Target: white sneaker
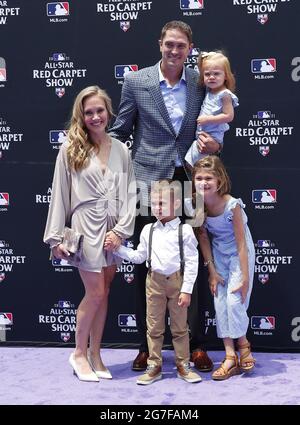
(187, 374)
(152, 374)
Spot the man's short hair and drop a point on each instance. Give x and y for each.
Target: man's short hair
(177, 25)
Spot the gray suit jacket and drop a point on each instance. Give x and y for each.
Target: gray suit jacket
(143, 114)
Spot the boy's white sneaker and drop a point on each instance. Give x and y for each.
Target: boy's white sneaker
(187, 374)
(152, 374)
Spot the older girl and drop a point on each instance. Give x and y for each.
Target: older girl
(230, 262)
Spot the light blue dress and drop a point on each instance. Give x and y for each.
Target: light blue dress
(212, 105)
(231, 315)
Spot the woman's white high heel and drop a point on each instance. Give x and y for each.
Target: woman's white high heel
(89, 377)
(103, 374)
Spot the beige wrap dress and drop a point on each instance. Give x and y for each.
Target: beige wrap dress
(92, 203)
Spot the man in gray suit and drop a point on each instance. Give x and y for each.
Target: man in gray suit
(159, 106)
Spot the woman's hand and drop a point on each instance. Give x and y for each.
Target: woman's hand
(213, 280)
(112, 241)
(59, 251)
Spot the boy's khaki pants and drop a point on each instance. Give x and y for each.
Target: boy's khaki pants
(162, 292)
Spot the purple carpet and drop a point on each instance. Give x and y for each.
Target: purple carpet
(42, 376)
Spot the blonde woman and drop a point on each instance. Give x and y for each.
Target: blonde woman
(94, 191)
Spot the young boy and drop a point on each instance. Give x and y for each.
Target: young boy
(171, 276)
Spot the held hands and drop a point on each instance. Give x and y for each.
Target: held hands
(243, 289)
(184, 299)
(213, 280)
(112, 241)
(206, 144)
(59, 251)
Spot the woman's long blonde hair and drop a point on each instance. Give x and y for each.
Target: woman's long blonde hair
(80, 144)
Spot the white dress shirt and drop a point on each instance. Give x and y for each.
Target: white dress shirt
(165, 254)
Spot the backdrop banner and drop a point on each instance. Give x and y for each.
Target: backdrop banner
(49, 52)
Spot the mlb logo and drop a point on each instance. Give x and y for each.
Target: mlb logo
(129, 244)
(127, 320)
(65, 336)
(129, 277)
(263, 114)
(60, 91)
(56, 262)
(191, 4)
(2, 69)
(2, 243)
(57, 136)
(263, 322)
(6, 319)
(192, 59)
(59, 57)
(2, 277)
(262, 243)
(262, 18)
(122, 70)
(125, 25)
(4, 199)
(261, 66)
(263, 278)
(264, 150)
(2, 74)
(64, 304)
(194, 51)
(60, 8)
(264, 196)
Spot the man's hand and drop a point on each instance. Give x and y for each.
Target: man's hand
(206, 144)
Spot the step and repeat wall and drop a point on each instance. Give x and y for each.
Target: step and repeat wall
(49, 51)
